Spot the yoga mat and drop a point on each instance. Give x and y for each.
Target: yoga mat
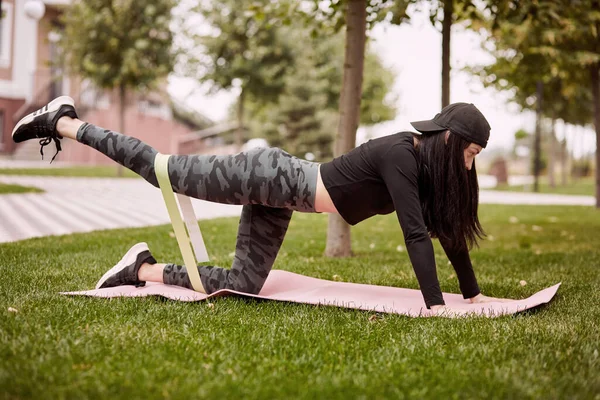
(288, 286)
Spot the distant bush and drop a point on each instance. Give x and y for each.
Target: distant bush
(581, 168)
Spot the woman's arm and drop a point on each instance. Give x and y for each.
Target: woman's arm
(398, 169)
(461, 262)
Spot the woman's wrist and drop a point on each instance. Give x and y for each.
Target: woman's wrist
(475, 298)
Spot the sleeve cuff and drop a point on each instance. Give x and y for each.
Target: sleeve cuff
(435, 302)
(467, 294)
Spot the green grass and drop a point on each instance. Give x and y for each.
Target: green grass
(92, 172)
(77, 347)
(7, 188)
(583, 186)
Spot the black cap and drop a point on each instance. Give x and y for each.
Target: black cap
(463, 119)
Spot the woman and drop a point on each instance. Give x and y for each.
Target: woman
(429, 180)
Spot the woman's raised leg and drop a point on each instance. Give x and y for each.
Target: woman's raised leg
(267, 176)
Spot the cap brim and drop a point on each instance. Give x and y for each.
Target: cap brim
(427, 126)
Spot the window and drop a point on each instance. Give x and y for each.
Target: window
(154, 108)
(5, 32)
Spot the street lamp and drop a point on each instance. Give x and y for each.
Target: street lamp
(35, 9)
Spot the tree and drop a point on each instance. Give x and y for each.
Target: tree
(304, 116)
(122, 44)
(579, 37)
(338, 233)
(357, 16)
(446, 13)
(242, 50)
(528, 67)
(295, 121)
(566, 35)
(376, 104)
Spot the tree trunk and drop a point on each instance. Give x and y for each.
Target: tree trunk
(583, 156)
(537, 138)
(564, 158)
(122, 99)
(575, 140)
(552, 155)
(338, 231)
(594, 70)
(446, 30)
(239, 134)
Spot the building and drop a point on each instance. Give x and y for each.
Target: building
(29, 79)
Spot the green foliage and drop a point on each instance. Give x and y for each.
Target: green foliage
(289, 82)
(550, 42)
(304, 117)
(7, 188)
(296, 121)
(581, 168)
(242, 48)
(118, 43)
(522, 134)
(328, 17)
(464, 11)
(543, 162)
(377, 103)
(328, 56)
(56, 346)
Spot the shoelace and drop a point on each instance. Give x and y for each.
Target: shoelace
(46, 141)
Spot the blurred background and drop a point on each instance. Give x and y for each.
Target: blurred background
(218, 77)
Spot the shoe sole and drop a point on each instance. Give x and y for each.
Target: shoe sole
(54, 105)
(129, 258)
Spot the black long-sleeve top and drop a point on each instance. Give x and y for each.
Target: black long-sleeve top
(381, 176)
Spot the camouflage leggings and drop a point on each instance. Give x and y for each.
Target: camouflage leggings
(268, 182)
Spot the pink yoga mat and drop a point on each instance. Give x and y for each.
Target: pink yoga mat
(287, 286)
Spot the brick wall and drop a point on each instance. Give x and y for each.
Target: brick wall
(8, 107)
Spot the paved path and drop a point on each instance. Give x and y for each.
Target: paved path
(87, 204)
(83, 205)
(540, 199)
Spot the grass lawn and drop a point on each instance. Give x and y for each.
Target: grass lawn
(6, 188)
(583, 186)
(93, 172)
(75, 347)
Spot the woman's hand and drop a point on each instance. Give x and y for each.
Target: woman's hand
(485, 299)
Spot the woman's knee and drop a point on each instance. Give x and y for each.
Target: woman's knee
(150, 176)
(252, 289)
(244, 284)
(143, 164)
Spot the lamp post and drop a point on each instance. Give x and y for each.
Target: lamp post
(35, 10)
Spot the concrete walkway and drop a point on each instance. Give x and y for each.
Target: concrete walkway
(87, 204)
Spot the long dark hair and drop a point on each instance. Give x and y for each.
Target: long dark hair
(449, 192)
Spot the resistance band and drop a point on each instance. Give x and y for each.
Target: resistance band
(161, 168)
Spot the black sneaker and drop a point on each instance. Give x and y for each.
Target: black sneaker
(41, 124)
(126, 270)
